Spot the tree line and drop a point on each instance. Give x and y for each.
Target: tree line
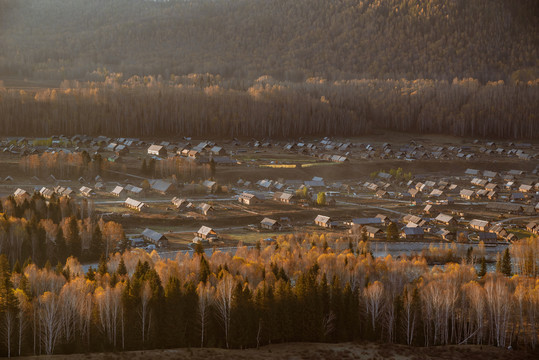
(300, 288)
(38, 230)
(208, 105)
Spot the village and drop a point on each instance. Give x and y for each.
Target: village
(171, 195)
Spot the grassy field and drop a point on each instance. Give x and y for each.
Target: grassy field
(308, 351)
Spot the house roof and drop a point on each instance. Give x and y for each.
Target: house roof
(133, 189)
(479, 223)
(117, 190)
(286, 196)
(208, 183)
(85, 190)
(444, 218)
(20, 192)
(487, 236)
(413, 231)
(153, 235)
(366, 221)
(178, 202)
(205, 230)
(156, 148)
(247, 196)
(466, 192)
(160, 185)
(412, 218)
(134, 203)
(322, 219)
(372, 230)
(269, 222)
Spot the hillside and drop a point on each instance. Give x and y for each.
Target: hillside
(287, 39)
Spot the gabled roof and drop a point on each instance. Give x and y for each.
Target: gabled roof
(366, 221)
(412, 218)
(287, 196)
(153, 235)
(133, 189)
(444, 218)
(134, 203)
(160, 185)
(86, 190)
(117, 190)
(208, 183)
(413, 231)
(372, 230)
(205, 207)
(156, 148)
(179, 202)
(20, 192)
(269, 222)
(466, 192)
(205, 230)
(322, 219)
(479, 223)
(247, 196)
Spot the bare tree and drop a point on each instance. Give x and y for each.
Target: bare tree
(50, 320)
(206, 297)
(144, 310)
(224, 301)
(374, 301)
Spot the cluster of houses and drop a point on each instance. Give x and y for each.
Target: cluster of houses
(415, 228)
(203, 153)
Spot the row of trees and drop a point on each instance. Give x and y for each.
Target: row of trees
(39, 231)
(208, 106)
(63, 164)
(301, 288)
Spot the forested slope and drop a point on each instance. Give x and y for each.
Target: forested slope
(287, 39)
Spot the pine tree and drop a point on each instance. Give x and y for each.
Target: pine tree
(124, 243)
(102, 268)
(506, 263)
(469, 255)
(122, 270)
(61, 247)
(392, 232)
(205, 271)
(199, 249)
(483, 270)
(17, 267)
(75, 244)
(174, 325)
(90, 274)
(96, 243)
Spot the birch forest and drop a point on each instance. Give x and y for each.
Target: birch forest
(209, 105)
(301, 288)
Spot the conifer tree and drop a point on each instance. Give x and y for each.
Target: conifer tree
(96, 244)
(506, 267)
(61, 247)
(392, 232)
(102, 267)
(483, 269)
(122, 270)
